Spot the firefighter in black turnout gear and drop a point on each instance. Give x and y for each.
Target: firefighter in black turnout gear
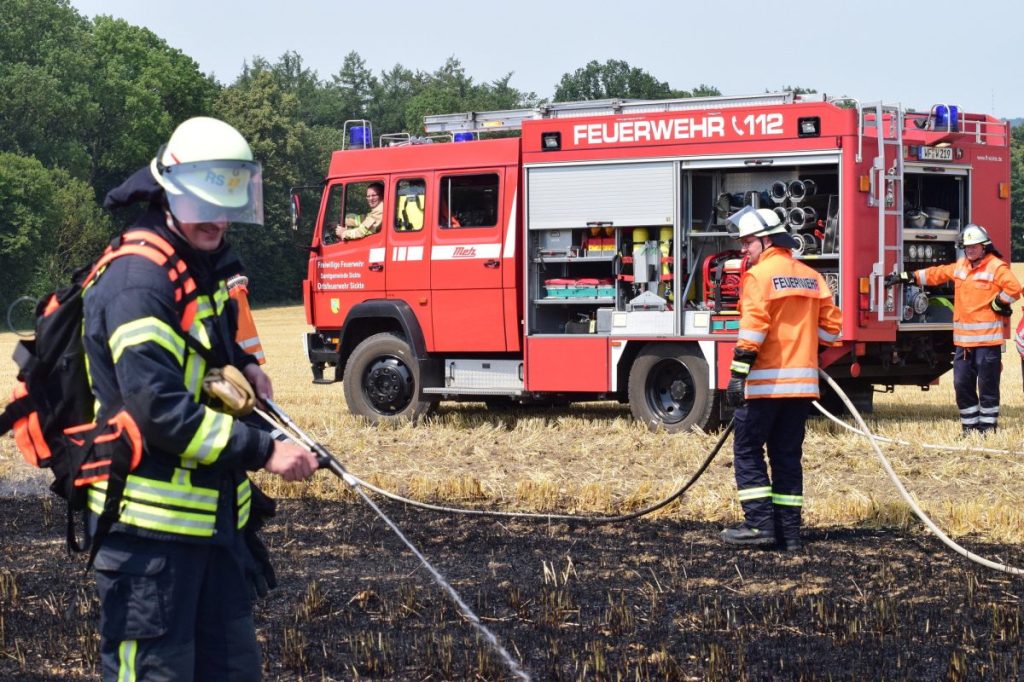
(176, 571)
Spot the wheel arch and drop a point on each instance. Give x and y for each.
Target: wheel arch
(372, 317)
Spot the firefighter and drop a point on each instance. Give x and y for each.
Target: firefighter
(786, 313)
(176, 572)
(371, 223)
(984, 290)
(246, 335)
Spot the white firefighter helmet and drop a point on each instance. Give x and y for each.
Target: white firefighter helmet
(208, 174)
(974, 234)
(760, 222)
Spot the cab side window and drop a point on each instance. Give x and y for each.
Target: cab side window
(409, 204)
(333, 215)
(468, 201)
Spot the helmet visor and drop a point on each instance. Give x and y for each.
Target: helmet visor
(215, 191)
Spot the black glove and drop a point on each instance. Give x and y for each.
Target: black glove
(741, 363)
(258, 568)
(1001, 307)
(898, 278)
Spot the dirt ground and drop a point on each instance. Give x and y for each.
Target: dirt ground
(650, 600)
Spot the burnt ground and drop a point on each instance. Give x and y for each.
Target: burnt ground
(651, 600)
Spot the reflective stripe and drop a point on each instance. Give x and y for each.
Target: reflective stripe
(221, 297)
(126, 653)
(788, 500)
(785, 373)
(145, 330)
(210, 438)
(990, 410)
(988, 420)
(739, 367)
(984, 277)
(243, 496)
(787, 389)
(751, 335)
(755, 493)
(965, 338)
(249, 343)
(970, 410)
(824, 335)
(921, 279)
(960, 273)
(141, 515)
(259, 355)
(969, 421)
(161, 492)
(1007, 298)
(975, 326)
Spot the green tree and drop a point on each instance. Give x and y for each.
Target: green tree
(142, 90)
(613, 79)
(1017, 193)
(50, 225)
(268, 118)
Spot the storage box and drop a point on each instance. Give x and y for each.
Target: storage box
(585, 288)
(559, 288)
(557, 242)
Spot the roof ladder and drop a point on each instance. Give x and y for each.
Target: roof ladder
(512, 119)
(886, 193)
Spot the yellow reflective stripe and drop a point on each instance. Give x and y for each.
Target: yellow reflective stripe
(788, 500)
(243, 496)
(126, 652)
(158, 518)
(146, 330)
(755, 493)
(221, 297)
(162, 492)
(210, 438)
(195, 368)
(149, 517)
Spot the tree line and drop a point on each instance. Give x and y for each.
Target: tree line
(85, 102)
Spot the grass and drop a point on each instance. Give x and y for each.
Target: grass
(593, 458)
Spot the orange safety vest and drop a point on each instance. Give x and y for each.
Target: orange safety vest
(246, 337)
(1019, 338)
(786, 312)
(974, 287)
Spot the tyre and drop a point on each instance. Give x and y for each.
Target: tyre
(382, 381)
(668, 387)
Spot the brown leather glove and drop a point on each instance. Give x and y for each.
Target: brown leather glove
(230, 391)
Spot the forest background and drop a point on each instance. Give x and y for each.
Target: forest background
(85, 102)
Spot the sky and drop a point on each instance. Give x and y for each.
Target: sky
(917, 54)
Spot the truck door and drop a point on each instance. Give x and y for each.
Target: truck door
(466, 261)
(348, 271)
(407, 270)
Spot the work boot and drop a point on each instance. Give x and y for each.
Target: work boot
(790, 544)
(747, 536)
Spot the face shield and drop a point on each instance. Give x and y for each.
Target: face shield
(213, 191)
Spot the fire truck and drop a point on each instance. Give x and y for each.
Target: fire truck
(582, 253)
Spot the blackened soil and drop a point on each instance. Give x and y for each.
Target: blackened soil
(651, 600)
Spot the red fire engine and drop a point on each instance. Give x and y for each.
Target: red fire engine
(588, 258)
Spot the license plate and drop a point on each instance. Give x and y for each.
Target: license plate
(935, 153)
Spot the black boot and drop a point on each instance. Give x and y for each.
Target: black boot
(747, 536)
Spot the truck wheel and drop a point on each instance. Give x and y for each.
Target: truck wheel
(382, 381)
(668, 387)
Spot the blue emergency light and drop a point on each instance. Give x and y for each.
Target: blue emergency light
(359, 137)
(463, 137)
(947, 117)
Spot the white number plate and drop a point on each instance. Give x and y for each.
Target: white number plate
(935, 153)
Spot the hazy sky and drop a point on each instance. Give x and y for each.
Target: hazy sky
(915, 53)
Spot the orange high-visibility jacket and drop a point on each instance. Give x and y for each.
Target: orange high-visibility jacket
(974, 288)
(1019, 338)
(786, 312)
(246, 337)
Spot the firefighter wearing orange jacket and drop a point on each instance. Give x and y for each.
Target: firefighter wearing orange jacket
(984, 289)
(246, 335)
(786, 313)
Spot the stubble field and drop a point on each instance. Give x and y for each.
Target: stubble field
(872, 597)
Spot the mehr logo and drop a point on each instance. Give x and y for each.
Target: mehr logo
(464, 252)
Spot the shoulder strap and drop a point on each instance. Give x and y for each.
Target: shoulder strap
(158, 250)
